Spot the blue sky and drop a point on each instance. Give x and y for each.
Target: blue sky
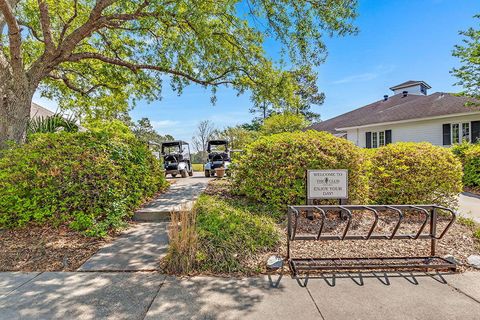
(399, 40)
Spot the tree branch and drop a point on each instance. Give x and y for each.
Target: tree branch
(15, 40)
(46, 28)
(135, 67)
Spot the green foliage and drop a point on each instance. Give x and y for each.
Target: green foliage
(283, 122)
(468, 73)
(272, 169)
(219, 235)
(238, 137)
(302, 83)
(415, 173)
(468, 222)
(145, 132)
(197, 167)
(101, 68)
(112, 128)
(471, 169)
(51, 124)
(228, 234)
(89, 180)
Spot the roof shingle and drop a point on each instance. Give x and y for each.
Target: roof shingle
(398, 108)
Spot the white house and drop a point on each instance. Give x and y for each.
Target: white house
(409, 115)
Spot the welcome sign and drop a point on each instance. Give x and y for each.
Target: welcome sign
(327, 184)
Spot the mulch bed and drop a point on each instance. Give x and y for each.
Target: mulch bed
(458, 241)
(45, 248)
(475, 191)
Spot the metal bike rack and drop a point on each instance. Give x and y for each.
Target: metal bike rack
(430, 216)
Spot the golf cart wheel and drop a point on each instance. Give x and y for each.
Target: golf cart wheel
(174, 175)
(190, 173)
(184, 173)
(207, 173)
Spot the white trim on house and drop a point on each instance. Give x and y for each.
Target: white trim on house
(409, 120)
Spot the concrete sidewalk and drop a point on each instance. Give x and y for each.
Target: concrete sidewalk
(140, 248)
(181, 194)
(150, 295)
(469, 206)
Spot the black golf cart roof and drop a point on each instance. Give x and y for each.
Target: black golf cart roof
(174, 143)
(217, 142)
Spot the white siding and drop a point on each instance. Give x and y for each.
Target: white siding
(411, 90)
(418, 131)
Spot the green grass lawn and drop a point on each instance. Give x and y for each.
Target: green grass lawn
(197, 166)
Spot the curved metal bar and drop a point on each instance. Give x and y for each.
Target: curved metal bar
(296, 223)
(324, 216)
(374, 223)
(427, 215)
(348, 223)
(454, 216)
(400, 218)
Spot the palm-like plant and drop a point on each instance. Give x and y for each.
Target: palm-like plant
(51, 124)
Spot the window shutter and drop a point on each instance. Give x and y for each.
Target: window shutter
(388, 136)
(475, 127)
(446, 135)
(368, 139)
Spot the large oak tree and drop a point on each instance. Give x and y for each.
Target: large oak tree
(99, 57)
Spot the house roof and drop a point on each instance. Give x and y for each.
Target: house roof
(409, 84)
(398, 108)
(37, 111)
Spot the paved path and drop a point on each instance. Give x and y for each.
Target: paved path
(150, 295)
(469, 206)
(140, 248)
(182, 193)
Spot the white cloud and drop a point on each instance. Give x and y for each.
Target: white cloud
(366, 76)
(357, 78)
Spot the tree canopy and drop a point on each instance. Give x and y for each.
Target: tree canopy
(99, 57)
(468, 73)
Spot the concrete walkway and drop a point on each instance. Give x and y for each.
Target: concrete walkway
(469, 206)
(140, 248)
(182, 193)
(150, 295)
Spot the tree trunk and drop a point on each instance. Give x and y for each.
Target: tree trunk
(15, 104)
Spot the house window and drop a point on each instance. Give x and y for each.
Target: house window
(466, 132)
(460, 132)
(381, 138)
(374, 140)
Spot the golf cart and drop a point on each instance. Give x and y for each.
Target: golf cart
(176, 158)
(218, 156)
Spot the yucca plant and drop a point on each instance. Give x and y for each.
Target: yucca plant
(51, 124)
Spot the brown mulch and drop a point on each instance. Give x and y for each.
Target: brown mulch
(45, 248)
(458, 241)
(475, 191)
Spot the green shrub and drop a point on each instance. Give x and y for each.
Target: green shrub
(272, 169)
(90, 180)
(229, 234)
(471, 176)
(415, 173)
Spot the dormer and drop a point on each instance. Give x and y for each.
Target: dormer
(411, 87)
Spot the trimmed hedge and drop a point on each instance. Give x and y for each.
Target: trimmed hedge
(415, 173)
(272, 169)
(89, 180)
(469, 155)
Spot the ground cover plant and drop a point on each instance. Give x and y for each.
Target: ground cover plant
(272, 169)
(414, 173)
(90, 181)
(223, 234)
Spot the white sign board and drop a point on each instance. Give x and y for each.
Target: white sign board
(327, 184)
